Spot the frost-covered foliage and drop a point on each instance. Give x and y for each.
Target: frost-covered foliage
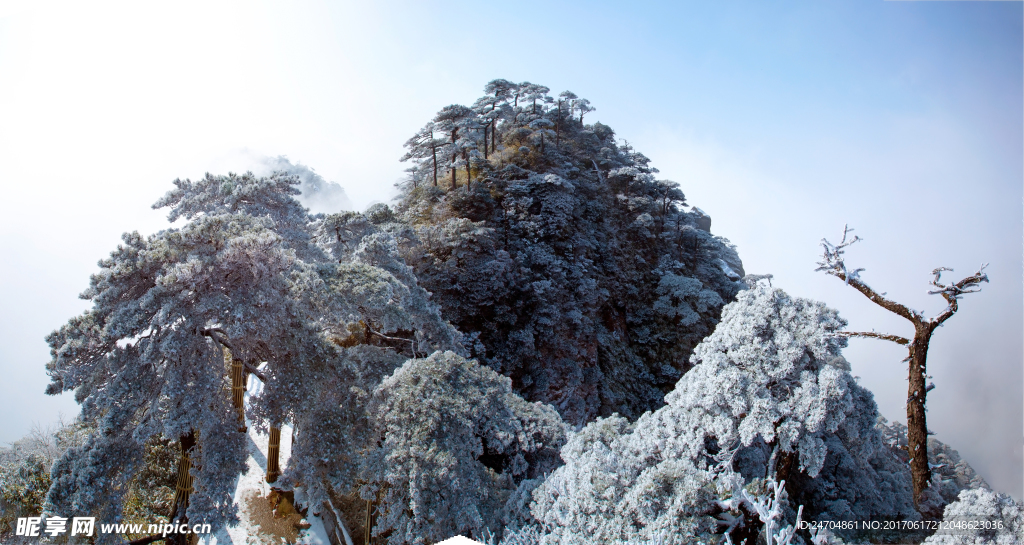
(25, 472)
(769, 388)
(250, 271)
(553, 247)
(980, 516)
(458, 450)
(861, 477)
(773, 371)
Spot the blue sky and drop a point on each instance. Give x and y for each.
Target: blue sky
(783, 121)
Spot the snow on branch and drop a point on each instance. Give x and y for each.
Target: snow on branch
(871, 334)
(953, 292)
(834, 263)
(769, 507)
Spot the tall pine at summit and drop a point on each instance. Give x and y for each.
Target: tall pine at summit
(568, 266)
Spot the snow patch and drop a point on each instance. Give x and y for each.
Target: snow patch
(460, 540)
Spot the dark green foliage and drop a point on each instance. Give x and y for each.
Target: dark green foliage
(152, 492)
(566, 264)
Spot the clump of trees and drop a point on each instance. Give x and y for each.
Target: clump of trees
(556, 251)
(460, 449)
(541, 342)
(25, 471)
(323, 303)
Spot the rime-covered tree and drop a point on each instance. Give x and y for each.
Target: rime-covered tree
(458, 449)
(980, 517)
(533, 93)
(833, 263)
(541, 127)
(449, 121)
(425, 144)
(498, 92)
(583, 107)
(770, 394)
(563, 108)
(326, 304)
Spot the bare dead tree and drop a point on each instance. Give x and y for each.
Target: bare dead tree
(917, 431)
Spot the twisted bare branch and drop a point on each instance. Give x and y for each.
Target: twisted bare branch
(953, 292)
(833, 263)
(871, 334)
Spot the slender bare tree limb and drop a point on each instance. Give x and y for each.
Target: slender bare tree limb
(834, 263)
(871, 334)
(385, 337)
(412, 342)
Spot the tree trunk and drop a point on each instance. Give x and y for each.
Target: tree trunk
(368, 535)
(433, 152)
(455, 132)
(469, 178)
(917, 428)
(485, 142)
(494, 129)
(238, 380)
(274, 454)
(558, 124)
(182, 489)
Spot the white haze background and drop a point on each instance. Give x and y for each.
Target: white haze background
(903, 119)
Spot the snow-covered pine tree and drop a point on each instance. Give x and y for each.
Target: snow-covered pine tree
(423, 145)
(459, 450)
(450, 121)
(314, 317)
(770, 394)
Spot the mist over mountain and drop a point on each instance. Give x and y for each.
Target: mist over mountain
(316, 193)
